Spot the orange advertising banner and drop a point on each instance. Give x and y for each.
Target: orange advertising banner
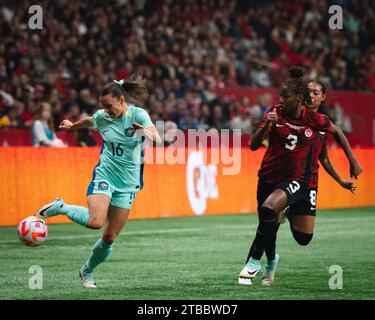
(31, 177)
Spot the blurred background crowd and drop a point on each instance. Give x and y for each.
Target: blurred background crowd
(185, 49)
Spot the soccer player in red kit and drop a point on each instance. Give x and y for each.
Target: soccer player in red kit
(287, 168)
(302, 214)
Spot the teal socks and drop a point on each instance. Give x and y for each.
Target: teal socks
(77, 214)
(253, 263)
(100, 252)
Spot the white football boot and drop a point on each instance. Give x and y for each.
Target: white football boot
(50, 209)
(87, 278)
(249, 272)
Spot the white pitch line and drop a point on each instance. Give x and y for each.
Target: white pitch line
(176, 230)
(134, 233)
(338, 219)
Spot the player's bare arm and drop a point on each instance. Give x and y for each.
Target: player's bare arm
(355, 167)
(80, 124)
(150, 132)
(329, 167)
(262, 133)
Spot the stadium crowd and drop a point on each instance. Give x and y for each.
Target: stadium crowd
(185, 49)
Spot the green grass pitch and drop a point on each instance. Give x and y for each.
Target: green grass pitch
(195, 258)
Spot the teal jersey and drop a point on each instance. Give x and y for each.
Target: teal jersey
(121, 158)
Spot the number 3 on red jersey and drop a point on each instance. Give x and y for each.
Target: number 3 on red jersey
(291, 142)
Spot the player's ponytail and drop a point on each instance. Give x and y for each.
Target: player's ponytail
(135, 87)
(297, 85)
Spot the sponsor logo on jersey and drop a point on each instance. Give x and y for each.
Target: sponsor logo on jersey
(103, 133)
(308, 133)
(102, 185)
(129, 132)
(293, 126)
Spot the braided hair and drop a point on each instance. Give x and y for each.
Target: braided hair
(297, 85)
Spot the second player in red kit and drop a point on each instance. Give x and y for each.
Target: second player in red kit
(302, 214)
(296, 135)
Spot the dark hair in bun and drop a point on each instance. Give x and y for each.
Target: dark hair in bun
(297, 85)
(295, 72)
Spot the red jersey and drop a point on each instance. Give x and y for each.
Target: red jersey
(315, 163)
(294, 147)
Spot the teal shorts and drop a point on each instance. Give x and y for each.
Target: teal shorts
(118, 199)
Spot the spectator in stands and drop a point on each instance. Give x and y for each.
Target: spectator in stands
(180, 115)
(217, 120)
(86, 102)
(341, 119)
(12, 116)
(242, 122)
(28, 114)
(73, 113)
(205, 115)
(187, 48)
(84, 139)
(6, 100)
(194, 120)
(169, 135)
(43, 131)
(257, 111)
(8, 119)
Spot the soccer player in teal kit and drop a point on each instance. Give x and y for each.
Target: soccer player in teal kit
(117, 177)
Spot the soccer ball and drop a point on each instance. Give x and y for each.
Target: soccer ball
(32, 231)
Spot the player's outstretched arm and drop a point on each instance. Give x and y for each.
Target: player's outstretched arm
(355, 167)
(150, 132)
(262, 133)
(329, 167)
(80, 124)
